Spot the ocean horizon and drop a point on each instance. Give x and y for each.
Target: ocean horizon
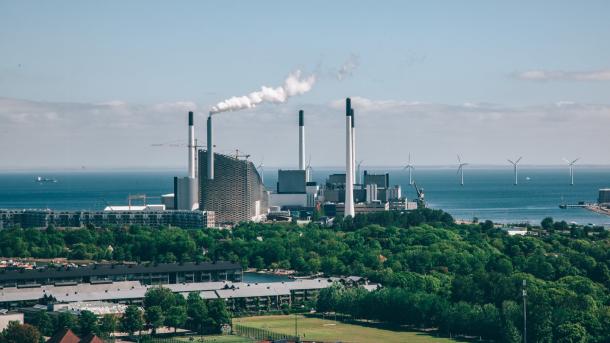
(488, 192)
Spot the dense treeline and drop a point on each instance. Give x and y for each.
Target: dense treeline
(556, 312)
(84, 324)
(164, 308)
(174, 244)
(161, 308)
(435, 272)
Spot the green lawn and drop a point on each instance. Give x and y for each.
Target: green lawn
(216, 339)
(332, 331)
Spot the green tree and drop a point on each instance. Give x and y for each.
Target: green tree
(154, 317)
(159, 296)
(132, 320)
(176, 317)
(87, 323)
(218, 315)
(43, 323)
(328, 298)
(509, 316)
(108, 325)
(487, 225)
(571, 333)
(197, 312)
(65, 320)
(547, 223)
(19, 333)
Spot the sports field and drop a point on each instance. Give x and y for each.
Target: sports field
(215, 339)
(332, 331)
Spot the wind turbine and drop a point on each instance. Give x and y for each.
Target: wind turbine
(409, 166)
(261, 170)
(571, 165)
(515, 168)
(460, 169)
(358, 172)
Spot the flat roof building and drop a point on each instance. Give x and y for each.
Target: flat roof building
(240, 296)
(150, 215)
(148, 274)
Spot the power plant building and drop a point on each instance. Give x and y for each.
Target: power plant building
(292, 181)
(235, 191)
(186, 194)
(294, 190)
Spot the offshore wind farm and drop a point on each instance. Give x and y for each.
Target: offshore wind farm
(230, 188)
(488, 191)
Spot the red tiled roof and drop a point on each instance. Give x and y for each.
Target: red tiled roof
(91, 339)
(64, 336)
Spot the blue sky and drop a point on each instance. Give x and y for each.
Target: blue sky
(493, 65)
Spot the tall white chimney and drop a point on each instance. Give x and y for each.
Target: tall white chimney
(354, 178)
(349, 173)
(210, 147)
(191, 148)
(302, 165)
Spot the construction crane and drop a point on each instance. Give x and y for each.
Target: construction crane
(174, 144)
(421, 202)
(131, 197)
(238, 155)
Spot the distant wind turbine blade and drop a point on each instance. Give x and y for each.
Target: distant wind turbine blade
(517, 161)
(509, 161)
(459, 159)
(575, 160)
(566, 160)
(458, 170)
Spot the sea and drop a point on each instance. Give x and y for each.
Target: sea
(487, 193)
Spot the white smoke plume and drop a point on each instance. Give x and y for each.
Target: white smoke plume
(293, 85)
(348, 67)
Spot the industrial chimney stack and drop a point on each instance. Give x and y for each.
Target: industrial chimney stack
(353, 146)
(301, 141)
(186, 195)
(349, 155)
(210, 147)
(191, 146)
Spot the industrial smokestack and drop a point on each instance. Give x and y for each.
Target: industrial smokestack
(353, 119)
(191, 147)
(301, 141)
(210, 145)
(349, 174)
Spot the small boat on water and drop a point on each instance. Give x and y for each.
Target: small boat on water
(41, 179)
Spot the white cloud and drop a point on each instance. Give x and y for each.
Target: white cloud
(121, 134)
(177, 106)
(559, 75)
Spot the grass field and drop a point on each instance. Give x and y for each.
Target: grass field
(332, 331)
